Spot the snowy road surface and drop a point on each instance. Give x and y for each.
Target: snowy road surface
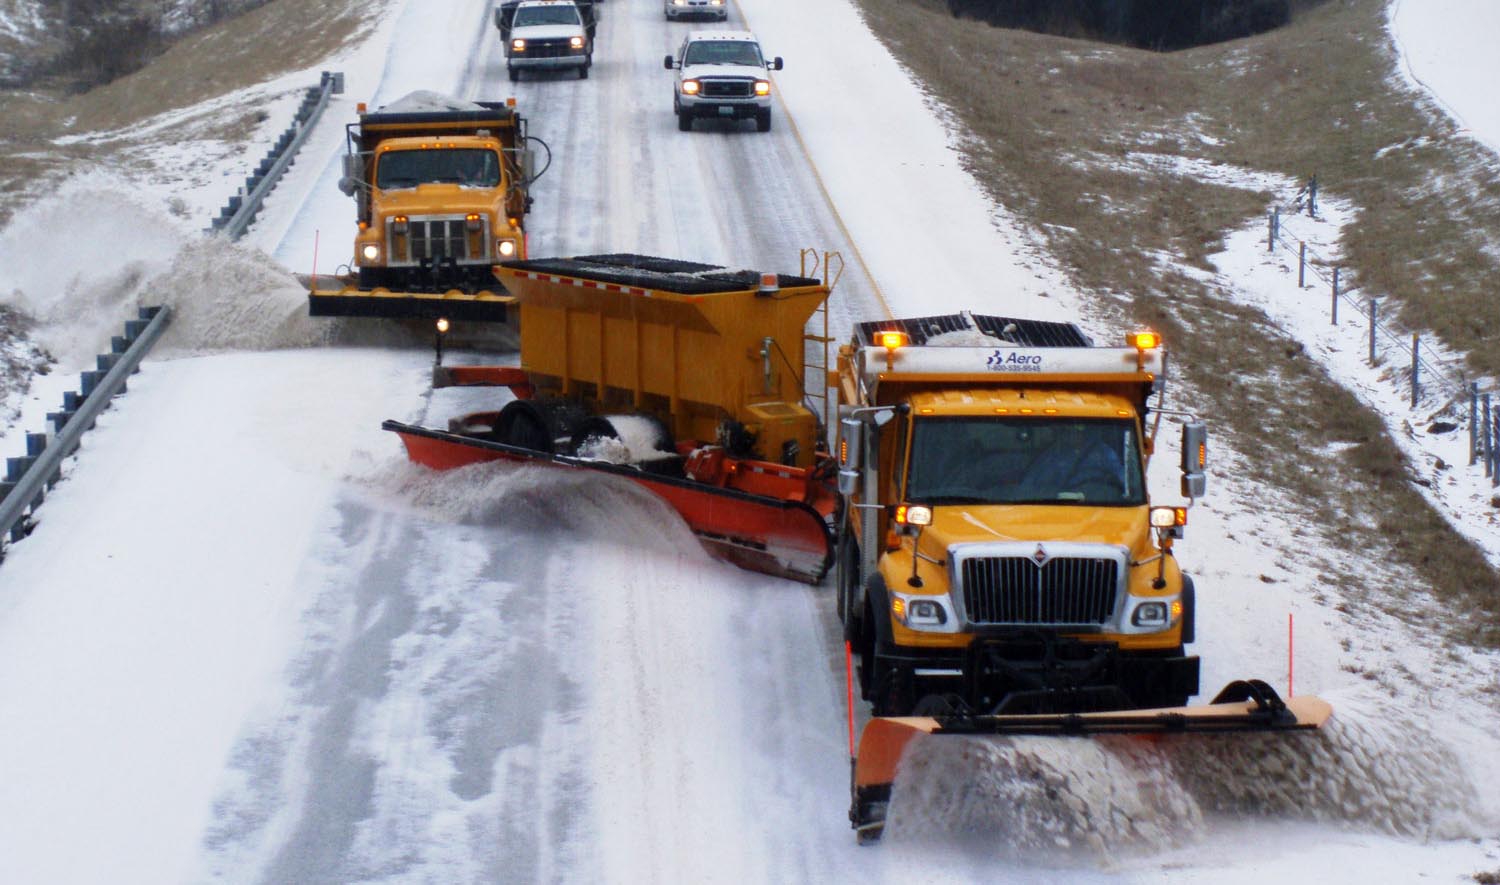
(248, 642)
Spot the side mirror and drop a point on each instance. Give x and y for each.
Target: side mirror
(1194, 459)
(499, 18)
(776, 63)
(667, 63)
(851, 446)
(347, 185)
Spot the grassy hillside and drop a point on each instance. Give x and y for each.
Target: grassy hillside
(1051, 126)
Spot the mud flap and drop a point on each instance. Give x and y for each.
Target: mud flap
(788, 539)
(1241, 706)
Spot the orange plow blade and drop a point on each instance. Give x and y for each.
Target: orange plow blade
(1241, 706)
(785, 538)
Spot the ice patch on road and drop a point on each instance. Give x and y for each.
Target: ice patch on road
(1033, 798)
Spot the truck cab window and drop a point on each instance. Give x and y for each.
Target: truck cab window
(984, 460)
(473, 168)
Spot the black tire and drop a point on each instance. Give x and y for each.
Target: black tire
(515, 74)
(583, 72)
(850, 606)
(684, 121)
(538, 424)
(763, 120)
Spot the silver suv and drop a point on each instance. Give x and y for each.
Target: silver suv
(721, 75)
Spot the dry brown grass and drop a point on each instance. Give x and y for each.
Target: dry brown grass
(283, 35)
(1050, 123)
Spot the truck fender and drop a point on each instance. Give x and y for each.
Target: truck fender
(1189, 609)
(879, 600)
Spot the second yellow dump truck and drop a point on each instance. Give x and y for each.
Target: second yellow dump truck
(441, 193)
(998, 551)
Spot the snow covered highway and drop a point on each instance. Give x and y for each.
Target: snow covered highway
(248, 642)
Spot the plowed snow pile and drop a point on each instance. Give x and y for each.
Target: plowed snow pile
(586, 504)
(1113, 795)
(121, 254)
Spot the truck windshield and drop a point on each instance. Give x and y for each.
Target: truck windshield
(473, 167)
(722, 52)
(527, 16)
(978, 460)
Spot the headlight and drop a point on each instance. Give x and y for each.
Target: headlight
(1150, 614)
(715, 2)
(690, 87)
(679, 2)
(371, 252)
(762, 87)
(927, 613)
(506, 248)
(575, 42)
(518, 45)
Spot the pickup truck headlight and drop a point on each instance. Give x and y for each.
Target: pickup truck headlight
(691, 87)
(575, 42)
(762, 87)
(518, 45)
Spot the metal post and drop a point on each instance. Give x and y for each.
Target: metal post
(1373, 315)
(1275, 223)
(1494, 470)
(1301, 265)
(1487, 438)
(1334, 313)
(1312, 197)
(1473, 422)
(1416, 362)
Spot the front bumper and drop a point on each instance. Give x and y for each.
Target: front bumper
(722, 108)
(548, 62)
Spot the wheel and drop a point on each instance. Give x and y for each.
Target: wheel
(850, 610)
(514, 74)
(583, 72)
(763, 120)
(684, 121)
(537, 425)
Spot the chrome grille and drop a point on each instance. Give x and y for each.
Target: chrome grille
(727, 88)
(1063, 590)
(438, 239)
(549, 47)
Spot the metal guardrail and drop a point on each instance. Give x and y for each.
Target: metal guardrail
(236, 216)
(28, 478)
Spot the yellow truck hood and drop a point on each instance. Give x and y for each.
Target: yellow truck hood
(438, 199)
(974, 523)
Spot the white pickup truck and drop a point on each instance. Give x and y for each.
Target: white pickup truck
(721, 75)
(546, 35)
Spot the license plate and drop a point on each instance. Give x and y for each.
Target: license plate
(726, 110)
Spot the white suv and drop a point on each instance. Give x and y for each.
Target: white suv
(546, 35)
(676, 9)
(722, 75)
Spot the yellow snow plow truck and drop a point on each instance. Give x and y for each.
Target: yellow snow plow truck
(441, 193)
(1000, 566)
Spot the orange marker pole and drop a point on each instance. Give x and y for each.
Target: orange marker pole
(849, 692)
(1290, 658)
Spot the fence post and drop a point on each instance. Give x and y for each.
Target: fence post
(1494, 456)
(1301, 265)
(1312, 197)
(1373, 314)
(1473, 422)
(1334, 314)
(1487, 438)
(1416, 341)
(1275, 222)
